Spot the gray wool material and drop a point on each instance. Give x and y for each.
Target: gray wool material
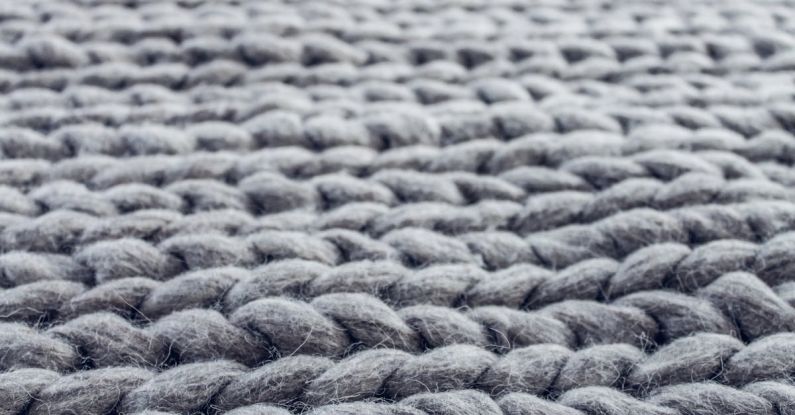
(397, 208)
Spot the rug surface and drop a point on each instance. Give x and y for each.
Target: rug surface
(420, 207)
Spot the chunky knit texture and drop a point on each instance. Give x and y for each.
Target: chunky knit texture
(422, 207)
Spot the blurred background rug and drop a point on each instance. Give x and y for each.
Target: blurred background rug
(411, 207)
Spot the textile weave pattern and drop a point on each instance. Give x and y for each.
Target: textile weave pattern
(419, 207)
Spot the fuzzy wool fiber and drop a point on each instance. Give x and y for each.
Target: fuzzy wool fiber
(378, 207)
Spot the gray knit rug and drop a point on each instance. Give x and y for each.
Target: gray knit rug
(419, 207)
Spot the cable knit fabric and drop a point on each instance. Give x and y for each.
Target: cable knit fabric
(376, 207)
